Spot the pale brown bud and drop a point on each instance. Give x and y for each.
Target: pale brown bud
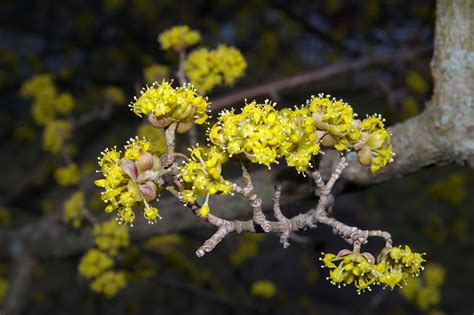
(356, 123)
(328, 141)
(148, 190)
(129, 168)
(184, 127)
(369, 257)
(145, 162)
(384, 252)
(159, 122)
(365, 155)
(344, 252)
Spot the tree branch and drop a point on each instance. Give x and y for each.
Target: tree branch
(314, 76)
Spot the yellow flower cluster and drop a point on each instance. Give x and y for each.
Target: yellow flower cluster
(94, 262)
(300, 140)
(178, 38)
(263, 134)
(47, 103)
(256, 133)
(335, 122)
(73, 213)
(68, 175)
(122, 192)
(48, 107)
(393, 267)
(264, 289)
(165, 105)
(374, 148)
(55, 134)
(207, 69)
(155, 73)
(202, 174)
(109, 283)
(111, 236)
(97, 265)
(425, 293)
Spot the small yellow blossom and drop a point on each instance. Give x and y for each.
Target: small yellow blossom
(335, 122)
(374, 147)
(94, 263)
(55, 134)
(109, 283)
(264, 289)
(165, 105)
(392, 268)
(73, 210)
(178, 38)
(121, 191)
(110, 236)
(202, 174)
(68, 175)
(207, 69)
(64, 103)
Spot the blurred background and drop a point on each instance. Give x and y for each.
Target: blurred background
(101, 53)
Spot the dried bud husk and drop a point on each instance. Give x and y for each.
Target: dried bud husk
(369, 257)
(356, 123)
(145, 162)
(328, 141)
(362, 141)
(129, 168)
(184, 127)
(344, 252)
(149, 190)
(365, 155)
(159, 122)
(383, 253)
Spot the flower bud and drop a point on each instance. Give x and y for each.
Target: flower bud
(365, 155)
(328, 141)
(184, 127)
(129, 168)
(161, 122)
(148, 190)
(145, 162)
(344, 252)
(369, 257)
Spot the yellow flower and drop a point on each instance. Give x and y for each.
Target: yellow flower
(374, 148)
(55, 134)
(110, 236)
(109, 283)
(94, 263)
(264, 289)
(121, 191)
(178, 38)
(207, 69)
(73, 213)
(68, 175)
(335, 121)
(167, 105)
(64, 103)
(202, 174)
